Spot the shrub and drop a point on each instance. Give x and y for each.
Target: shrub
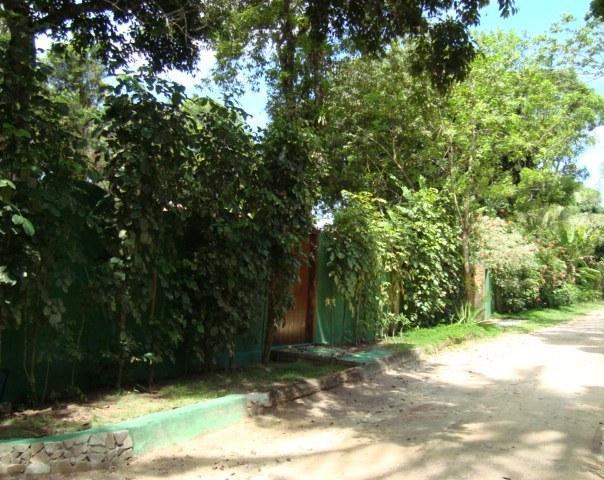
(516, 289)
(513, 261)
(425, 262)
(564, 295)
(588, 295)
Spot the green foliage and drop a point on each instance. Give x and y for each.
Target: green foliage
(356, 250)
(502, 141)
(163, 215)
(589, 200)
(173, 250)
(564, 295)
(292, 43)
(288, 198)
(513, 261)
(377, 127)
(466, 313)
(424, 260)
(200, 260)
(396, 267)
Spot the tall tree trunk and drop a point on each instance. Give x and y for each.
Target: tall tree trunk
(318, 14)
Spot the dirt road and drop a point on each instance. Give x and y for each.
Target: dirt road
(517, 407)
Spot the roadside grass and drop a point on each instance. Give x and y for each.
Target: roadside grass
(545, 317)
(113, 407)
(433, 339)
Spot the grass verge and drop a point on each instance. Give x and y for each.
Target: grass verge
(433, 339)
(112, 407)
(545, 317)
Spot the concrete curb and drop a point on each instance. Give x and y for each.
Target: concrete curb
(261, 403)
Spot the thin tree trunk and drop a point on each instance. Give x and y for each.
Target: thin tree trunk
(464, 216)
(74, 363)
(152, 308)
(122, 360)
(271, 329)
(287, 59)
(468, 270)
(46, 376)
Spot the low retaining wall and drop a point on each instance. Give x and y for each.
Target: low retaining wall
(104, 447)
(73, 454)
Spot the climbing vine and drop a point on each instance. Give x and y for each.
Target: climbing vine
(397, 266)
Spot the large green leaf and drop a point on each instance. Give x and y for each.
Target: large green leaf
(25, 224)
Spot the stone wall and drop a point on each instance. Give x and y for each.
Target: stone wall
(80, 453)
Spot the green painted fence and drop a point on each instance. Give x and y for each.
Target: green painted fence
(334, 322)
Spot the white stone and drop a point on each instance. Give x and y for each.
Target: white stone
(58, 454)
(15, 457)
(4, 449)
(40, 457)
(84, 439)
(97, 439)
(262, 399)
(37, 469)
(96, 449)
(52, 447)
(96, 458)
(120, 437)
(14, 468)
(125, 454)
(78, 450)
(68, 444)
(60, 466)
(78, 459)
(36, 447)
(127, 442)
(110, 441)
(111, 455)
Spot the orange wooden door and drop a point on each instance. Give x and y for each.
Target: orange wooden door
(297, 327)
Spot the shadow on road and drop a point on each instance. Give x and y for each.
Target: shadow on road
(518, 406)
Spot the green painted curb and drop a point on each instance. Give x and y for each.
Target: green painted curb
(161, 429)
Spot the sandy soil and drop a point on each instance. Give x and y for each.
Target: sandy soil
(514, 408)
